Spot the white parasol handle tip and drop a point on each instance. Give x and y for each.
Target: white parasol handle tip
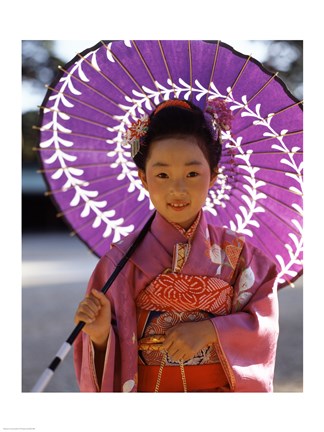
(43, 381)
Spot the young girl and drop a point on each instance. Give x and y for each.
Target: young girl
(195, 308)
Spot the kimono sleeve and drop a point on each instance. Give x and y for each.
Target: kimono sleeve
(83, 348)
(247, 338)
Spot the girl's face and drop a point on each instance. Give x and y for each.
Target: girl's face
(177, 178)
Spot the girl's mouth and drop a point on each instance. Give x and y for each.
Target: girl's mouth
(178, 206)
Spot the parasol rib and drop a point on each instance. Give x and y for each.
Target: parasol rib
(82, 119)
(274, 170)
(167, 67)
(67, 167)
(190, 68)
(239, 75)
(105, 77)
(269, 115)
(267, 208)
(286, 108)
(233, 174)
(128, 74)
(89, 222)
(101, 195)
(99, 243)
(270, 153)
(147, 68)
(256, 94)
(85, 150)
(266, 181)
(267, 138)
(67, 95)
(269, 228)
(62, 189)
(71, 134)
(86, 183)
(213, 68)
(279, 202)
(92, 88)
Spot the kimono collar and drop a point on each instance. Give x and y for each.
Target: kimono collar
(167, 233)
(190, 232)
(155, 253)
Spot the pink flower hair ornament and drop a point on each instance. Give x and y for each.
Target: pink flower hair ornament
(220, 115)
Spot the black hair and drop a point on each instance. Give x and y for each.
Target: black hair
(180, 121)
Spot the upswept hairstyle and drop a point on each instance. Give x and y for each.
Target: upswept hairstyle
(180, 120)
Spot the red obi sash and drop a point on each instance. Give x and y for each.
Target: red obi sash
(204, 378)
(191, 298)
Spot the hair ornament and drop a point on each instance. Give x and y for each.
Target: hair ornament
(135, 133)
(172, 102)
(221, 115)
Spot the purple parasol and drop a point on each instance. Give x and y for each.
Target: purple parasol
(91, 175)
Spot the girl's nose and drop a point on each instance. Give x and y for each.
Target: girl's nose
(178, 187)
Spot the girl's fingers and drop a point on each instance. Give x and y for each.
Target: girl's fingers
(88, 310)
(91, 307)
(95, 300)
(88, 305)
(101, 297)
(83, 317)
(91, 299)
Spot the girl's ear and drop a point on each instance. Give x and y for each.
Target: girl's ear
(213, 177)
(142, 176)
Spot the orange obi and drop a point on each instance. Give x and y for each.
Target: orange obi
(204, 378)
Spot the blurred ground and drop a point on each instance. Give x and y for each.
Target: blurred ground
(55, 272)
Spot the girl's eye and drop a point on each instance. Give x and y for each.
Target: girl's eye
(162, 175)
(193, 174)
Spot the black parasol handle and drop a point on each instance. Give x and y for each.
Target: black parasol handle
(48, 373)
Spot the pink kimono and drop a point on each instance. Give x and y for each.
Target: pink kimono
(247, 336)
